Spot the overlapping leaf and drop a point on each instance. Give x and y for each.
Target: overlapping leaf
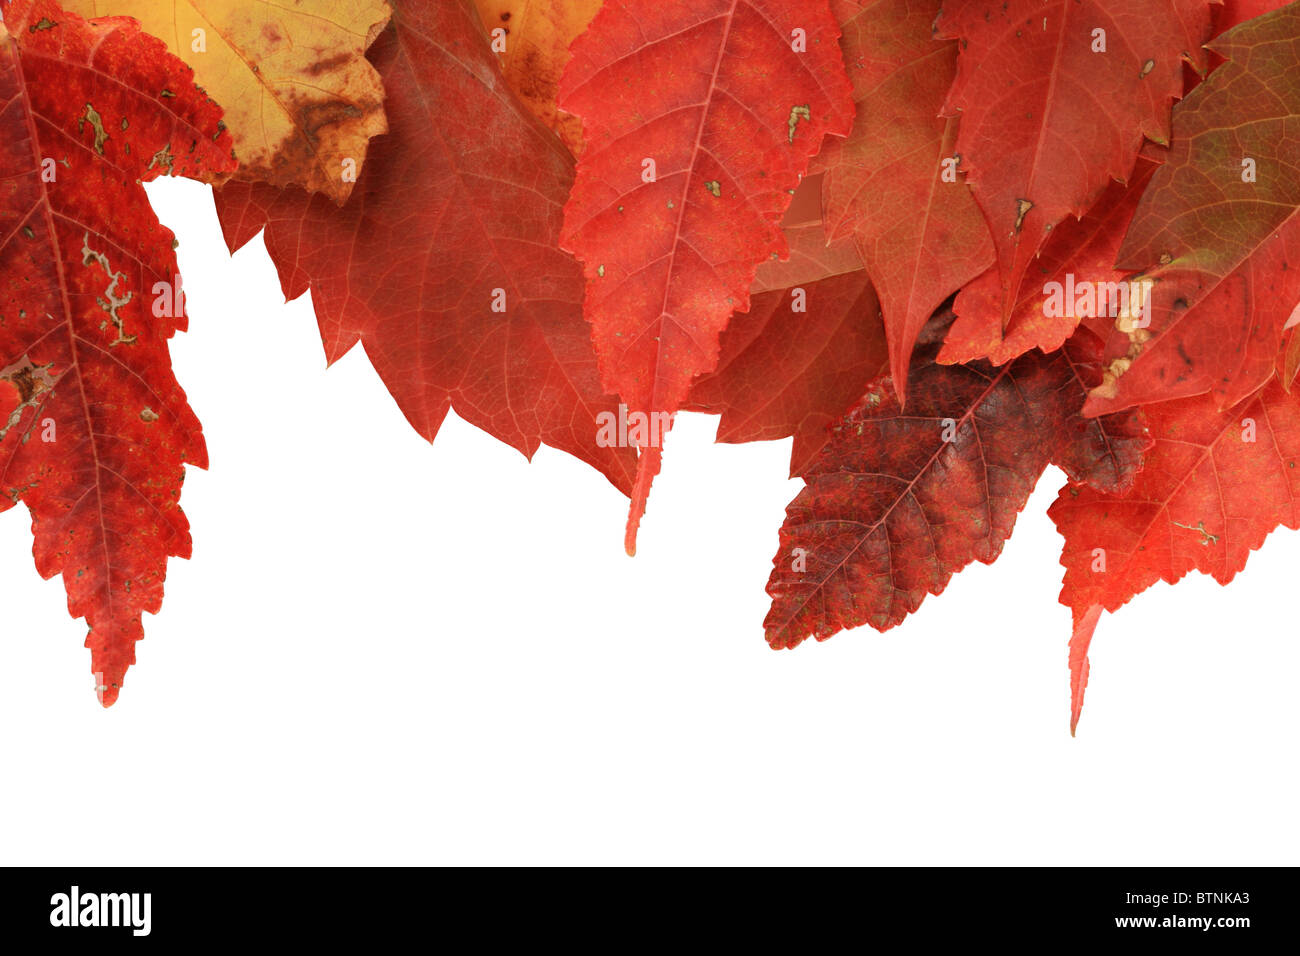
(1074, 280)
(700, 117)
(1055, 99)
(795, 363)
(811, 259)
(1218, 230)
(1003, 165)
(913, 219)
(445, 262)
(898, 501)
(301, 100)
(535, 36)
(94, 430)
(1215, 484)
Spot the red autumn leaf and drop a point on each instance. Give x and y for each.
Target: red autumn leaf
(1218, 231)
(714, 275)
(1055, 99)
(94, 430)
(700, 117)
(1214, 485)
(445, 261)
(898, 502)
(795, 363)
(1079, 259)
(916, 226)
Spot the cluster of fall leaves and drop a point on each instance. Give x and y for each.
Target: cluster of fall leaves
(941, 244)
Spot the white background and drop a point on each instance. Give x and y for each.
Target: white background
(389, 652)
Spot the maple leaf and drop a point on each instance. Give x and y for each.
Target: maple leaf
(94, 430)
(794, 364)
(897, 502)
(916, 226)
(1055, 99)
(1213, 487)
(301, 100)
(1217, 232)
(445, 261)
(535, 38)
(700, 117)
(1079, 259)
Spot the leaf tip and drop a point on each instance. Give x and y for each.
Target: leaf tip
(107, 692)
(1080, 640)
(647, 467)
(634, 514)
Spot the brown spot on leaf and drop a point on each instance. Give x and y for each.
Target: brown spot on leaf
(328, 64)
(163, 158)
(31, 382)
(312, 151)
(798, 113)
(96, 122)
(1022, 207)
(1113, 372)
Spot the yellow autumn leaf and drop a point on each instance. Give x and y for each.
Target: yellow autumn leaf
(533, 45)
(301, 100)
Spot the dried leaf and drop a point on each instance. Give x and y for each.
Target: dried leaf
(893, 184)
(899, 501)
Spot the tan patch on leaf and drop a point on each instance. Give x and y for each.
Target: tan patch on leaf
(1130, 322)
(300, 98)
(537, 37)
